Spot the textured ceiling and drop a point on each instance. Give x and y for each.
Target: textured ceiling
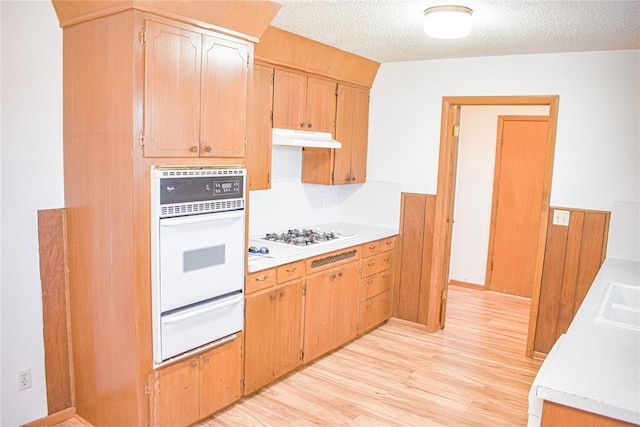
(391, 30)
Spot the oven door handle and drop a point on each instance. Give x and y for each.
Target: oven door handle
(194, 219)
(175, 318)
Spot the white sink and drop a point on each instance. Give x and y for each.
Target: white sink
(620, 306)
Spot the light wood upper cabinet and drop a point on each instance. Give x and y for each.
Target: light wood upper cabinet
(258, 156)
(303, 102)
(196, 86)
(346, 165)
(352, 130)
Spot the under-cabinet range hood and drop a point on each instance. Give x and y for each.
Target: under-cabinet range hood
(303, 138)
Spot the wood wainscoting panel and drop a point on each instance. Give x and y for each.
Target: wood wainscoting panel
(411, 293)
(573, 256)
(52, 239)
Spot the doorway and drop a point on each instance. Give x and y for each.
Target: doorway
(444, 206)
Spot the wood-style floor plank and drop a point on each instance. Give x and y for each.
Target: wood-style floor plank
(472, 373)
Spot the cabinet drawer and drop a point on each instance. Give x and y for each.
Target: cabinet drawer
(388, 244)
(260, 280)
(374, 311)
(375, 284)
(291, 271)
(377, 263)
(370, 248)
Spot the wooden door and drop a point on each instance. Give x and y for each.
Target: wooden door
(321, 105)
(225, 73)
(517, 203)
(346, 300)
(172, 91)
(220, 375)
(258, 155)
(260, 337)
(289, 99)
(288, 326)
(178, 383)
(318, 315)
(352, 129)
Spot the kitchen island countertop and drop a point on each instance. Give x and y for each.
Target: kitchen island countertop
(596, 367)
(279, 253)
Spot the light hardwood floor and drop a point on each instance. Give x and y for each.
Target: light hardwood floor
(472, 373)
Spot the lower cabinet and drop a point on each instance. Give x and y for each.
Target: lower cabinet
(331, 309)
(375, 284)
(273, 334)
(202, 385)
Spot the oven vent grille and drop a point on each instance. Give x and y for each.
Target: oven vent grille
(178, 172)
(333, 258)
(201, 207)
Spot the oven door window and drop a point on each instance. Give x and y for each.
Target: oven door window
(201, 257)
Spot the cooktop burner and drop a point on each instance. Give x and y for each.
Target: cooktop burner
(303, 237)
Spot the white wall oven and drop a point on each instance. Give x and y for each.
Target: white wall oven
(197, 258)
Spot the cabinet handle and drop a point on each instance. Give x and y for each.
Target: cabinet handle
(207, 148)
(371, 263)
(261, 278)
(385, 275)
(334, 275)
(372, 247)
(206, 359)
(274, 296)
(340, 274)
(310, 125)
(282, 293)
(194, 364)
(388, 242)
(370, 281)
(302, 124)
(291, 270)
(387, 259)
(353, 178)
(194, 149)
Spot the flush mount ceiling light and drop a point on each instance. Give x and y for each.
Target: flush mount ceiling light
(447, 22)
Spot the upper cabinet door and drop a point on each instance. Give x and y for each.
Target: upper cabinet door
(172, 91)
(321, 105)
(289, 100)
(258, 155)
(225, 73)
(352, 125)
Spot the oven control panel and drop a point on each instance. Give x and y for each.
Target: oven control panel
(197, 190)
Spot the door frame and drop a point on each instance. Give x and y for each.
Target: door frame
(443, 217)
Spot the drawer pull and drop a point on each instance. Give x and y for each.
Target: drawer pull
(387, 259)
(371, 263)
(372, 247)
(291, 270)
(261, 278)
(370, 281)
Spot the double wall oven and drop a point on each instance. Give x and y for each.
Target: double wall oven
(197, 258)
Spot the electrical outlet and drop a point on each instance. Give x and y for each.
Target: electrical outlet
(24, 379)
(561, 217)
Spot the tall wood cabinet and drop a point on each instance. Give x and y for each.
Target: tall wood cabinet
(137, 85)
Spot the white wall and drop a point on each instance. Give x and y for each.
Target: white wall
(31, 179)
(474, 188)
(597, 148)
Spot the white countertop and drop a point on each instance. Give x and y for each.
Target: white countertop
(596, 367)
(279, 254)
